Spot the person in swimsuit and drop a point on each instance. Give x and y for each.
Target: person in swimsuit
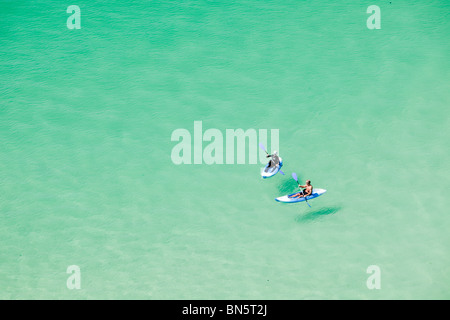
(307, 190)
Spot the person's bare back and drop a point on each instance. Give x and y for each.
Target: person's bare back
(307, 190)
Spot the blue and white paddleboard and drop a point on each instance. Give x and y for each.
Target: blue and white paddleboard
(272, 171)
(287, 199)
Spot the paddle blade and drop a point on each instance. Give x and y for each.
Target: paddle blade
(308, 204)
(262, 147)
(282, 172)
(294, 175)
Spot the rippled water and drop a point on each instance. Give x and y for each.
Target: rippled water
(86, 176)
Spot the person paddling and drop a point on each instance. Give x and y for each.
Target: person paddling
(307, 190)
(274, 161)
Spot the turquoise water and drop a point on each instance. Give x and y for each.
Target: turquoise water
(86, 176)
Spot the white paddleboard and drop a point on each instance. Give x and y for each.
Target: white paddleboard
(287, 198)
(272, 171)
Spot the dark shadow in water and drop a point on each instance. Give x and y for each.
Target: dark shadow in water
(288, 186)
(315, 214)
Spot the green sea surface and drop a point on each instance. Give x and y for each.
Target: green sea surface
(87, 179)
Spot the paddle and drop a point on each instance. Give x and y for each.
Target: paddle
(264, 149)
(294, 175)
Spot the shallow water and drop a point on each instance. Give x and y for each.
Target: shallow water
(86, 176)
